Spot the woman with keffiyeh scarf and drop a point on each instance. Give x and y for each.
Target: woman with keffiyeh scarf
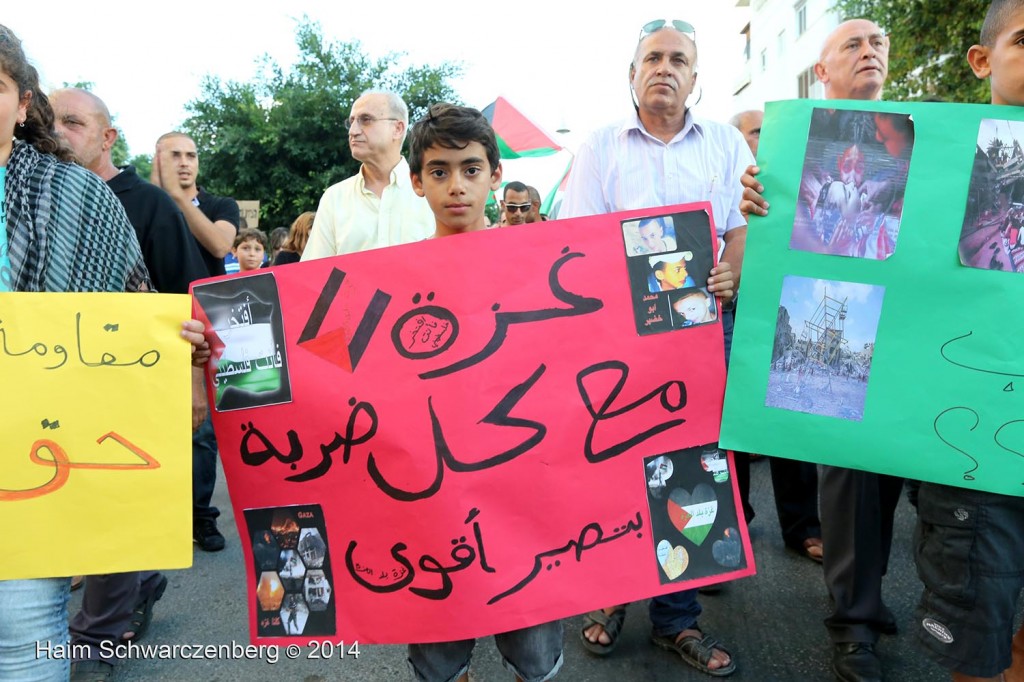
(61, 230)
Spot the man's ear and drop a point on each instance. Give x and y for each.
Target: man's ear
(400, 130)
(109, 138)
(977, 57)
(821, 72)
(417, 184)
(496, 181)
(659, 274)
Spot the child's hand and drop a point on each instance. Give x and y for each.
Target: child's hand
(192, 331)
(721, 281)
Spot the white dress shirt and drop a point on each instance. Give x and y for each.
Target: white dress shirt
(622, 167)
(352, 218)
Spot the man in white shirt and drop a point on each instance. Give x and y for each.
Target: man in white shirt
(664, 156)
(376, 207)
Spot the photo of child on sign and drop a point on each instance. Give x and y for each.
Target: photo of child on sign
(854, 179)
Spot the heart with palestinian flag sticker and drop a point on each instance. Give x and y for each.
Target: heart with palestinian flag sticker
(693, 513)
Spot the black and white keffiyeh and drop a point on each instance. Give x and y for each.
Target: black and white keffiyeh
(66, 230)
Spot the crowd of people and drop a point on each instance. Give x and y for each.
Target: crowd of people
(161, 235)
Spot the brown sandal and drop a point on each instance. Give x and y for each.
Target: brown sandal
(612, 624)
(697, 651)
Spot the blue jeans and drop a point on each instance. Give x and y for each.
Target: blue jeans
(204, 471)
(533, 654)
(34, 630)
(673, 613)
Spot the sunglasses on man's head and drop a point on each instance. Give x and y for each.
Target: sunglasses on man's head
(683, 27)
(522, 208)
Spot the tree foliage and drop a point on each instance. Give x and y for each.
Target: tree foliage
(928, 45)
(280, 137)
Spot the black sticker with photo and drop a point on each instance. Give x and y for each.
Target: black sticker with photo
(252, 366)
(292, 564)
(694, 525)
(665, 256)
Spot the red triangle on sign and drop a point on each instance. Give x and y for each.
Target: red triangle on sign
(332, 347)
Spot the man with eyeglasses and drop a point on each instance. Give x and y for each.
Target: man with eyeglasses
(857, 507)
(377, 207)
(516, 203)
(660, 157)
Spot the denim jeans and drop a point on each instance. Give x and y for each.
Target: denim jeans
(675, 612)
(204, 471)
(533, 654)
(34, 630)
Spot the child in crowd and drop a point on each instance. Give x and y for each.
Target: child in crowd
(969, 544)
(250, 248)
(455, 164)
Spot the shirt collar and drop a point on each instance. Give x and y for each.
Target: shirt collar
(399, 176)
(692, 124)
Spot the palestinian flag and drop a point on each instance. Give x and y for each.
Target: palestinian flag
(549, 200)
(518, 136)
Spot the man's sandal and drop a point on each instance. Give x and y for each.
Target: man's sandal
(142, 615)
(612, 624)
(697, 651)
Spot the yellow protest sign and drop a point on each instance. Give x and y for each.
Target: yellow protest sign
(95, 469)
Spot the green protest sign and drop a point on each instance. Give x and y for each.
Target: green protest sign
(878, 326)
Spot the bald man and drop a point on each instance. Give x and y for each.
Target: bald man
(170, 253)
(111, 602)
(857, 507)
(749, 123)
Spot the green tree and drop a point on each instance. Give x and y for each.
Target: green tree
(143, 165)
(280, 137)
(928, 45)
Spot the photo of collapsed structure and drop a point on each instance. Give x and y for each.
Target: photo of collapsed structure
(991, 237)
(823, 348)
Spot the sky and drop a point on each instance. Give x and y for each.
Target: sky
(562, 64)
(802, 295)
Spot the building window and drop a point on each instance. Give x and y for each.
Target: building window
(805, 83)
(781, 46)
(801, 18)
(764, 59)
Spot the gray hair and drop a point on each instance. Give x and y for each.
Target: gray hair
(396, 106)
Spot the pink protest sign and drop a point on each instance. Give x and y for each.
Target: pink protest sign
(470, 435)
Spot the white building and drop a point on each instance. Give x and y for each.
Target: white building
(783, 42)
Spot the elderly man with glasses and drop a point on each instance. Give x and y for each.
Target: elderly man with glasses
(376, 207)
(662, 156)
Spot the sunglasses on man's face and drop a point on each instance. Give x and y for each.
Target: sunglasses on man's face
(522, 208)
(683, 27)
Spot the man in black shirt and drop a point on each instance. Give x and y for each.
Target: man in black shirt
(213, 222)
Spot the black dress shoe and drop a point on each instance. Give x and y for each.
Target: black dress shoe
(856, 662)
(206, 535)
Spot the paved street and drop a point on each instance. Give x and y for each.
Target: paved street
(772, 622)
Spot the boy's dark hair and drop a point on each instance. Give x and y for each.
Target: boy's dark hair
(514, 186)
(998, 14)
(248, 233)
(451, 127)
